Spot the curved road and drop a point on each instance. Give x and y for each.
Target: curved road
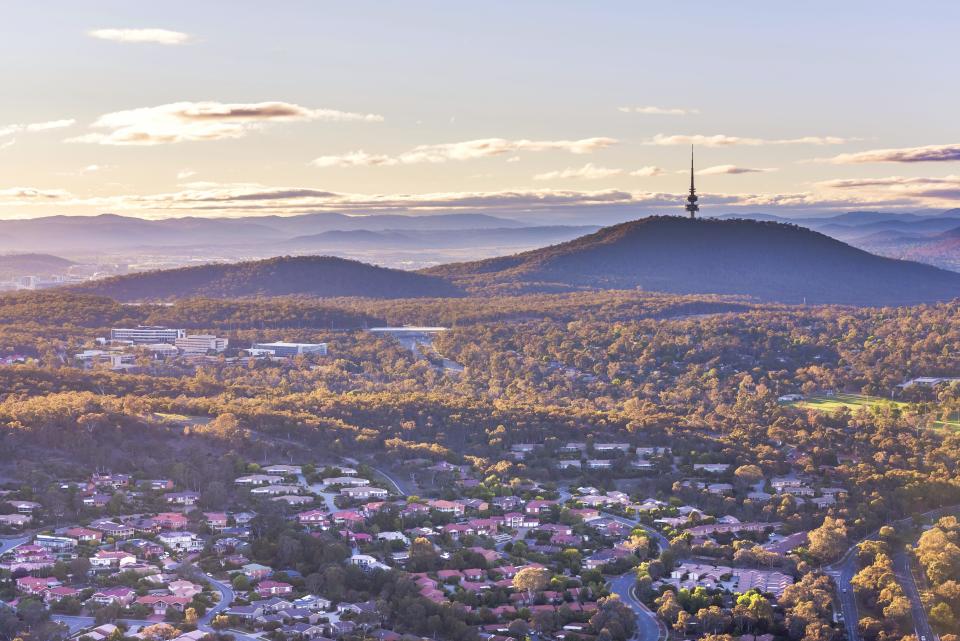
(649, 627)
(661, 540)
(226, 598)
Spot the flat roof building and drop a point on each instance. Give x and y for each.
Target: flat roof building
(201, 344)
(285, 349)
(145, 334)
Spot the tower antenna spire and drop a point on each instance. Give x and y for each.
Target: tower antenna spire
(692, 207)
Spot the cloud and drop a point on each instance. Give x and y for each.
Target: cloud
(198, 121)
(929, 153)
(722, 140)
(183, 174)
(358, 158)
(153, 36)
(8, 144)
(918, 189)
(32, 194)
(467, 150)
(241, 199)
(51, 124)
(588, 172)
(659, 111)
(592, 172)
(7, 130)
(718, 170)
(649, 170)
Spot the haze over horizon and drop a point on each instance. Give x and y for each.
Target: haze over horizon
(547, 111)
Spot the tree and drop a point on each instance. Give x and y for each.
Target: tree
(943, 618)
(225, 427)
(159, 632)
(748, 474)
(531, 579)
(668, 607)
(828, 541)
(684, 619)
(615, 617)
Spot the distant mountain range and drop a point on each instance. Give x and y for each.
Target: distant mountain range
(940, 249)
(766, 260)
(440, 238)
(408, 241)
(322, 276)
(111, 232)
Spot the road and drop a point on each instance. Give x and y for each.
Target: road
(391, 480)
(226, 598)
(848, 601)
(318, 489)
(77, 623)
(649, 627)
(661, 540)
(904, 574)
(843, 571)
(9, 544)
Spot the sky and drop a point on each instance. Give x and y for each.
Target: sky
(561, 109)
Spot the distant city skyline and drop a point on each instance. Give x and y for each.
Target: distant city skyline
(565, 110)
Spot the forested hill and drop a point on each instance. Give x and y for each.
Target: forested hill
(768, 260)
(15, 265)
(325, 276)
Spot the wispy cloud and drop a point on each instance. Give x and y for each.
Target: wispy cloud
(357, 158)
(659, 111)
(7, 130)
(152, 36)
(32, 194)
(51, 124)
(592, 172)
(722, 140)
(919, 189)
(467, 150)
(928, 153)
(214, 199)
(588, 172)
(183, 174)
(649, 170)
(239, 199)
(718, 170)
(199, 121)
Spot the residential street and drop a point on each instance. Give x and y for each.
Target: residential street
(649, 627)
(9, 544)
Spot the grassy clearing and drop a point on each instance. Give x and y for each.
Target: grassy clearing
(950, 426)
(181, 419)
(853, 402)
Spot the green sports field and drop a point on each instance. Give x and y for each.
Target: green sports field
(853, 402)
